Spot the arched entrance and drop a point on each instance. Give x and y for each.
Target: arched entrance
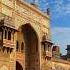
(18, 66)
(31, 48)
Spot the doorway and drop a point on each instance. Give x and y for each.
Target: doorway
(32, 61)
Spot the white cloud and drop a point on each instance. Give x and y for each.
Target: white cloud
(67, 9)
(61, 30)
(59, 7)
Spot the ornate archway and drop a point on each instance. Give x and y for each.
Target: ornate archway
(18, 66)
(32, 61)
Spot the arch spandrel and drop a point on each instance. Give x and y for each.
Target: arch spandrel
(35, 27)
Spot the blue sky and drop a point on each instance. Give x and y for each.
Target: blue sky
(60, 21)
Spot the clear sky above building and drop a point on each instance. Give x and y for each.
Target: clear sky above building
(60, 21)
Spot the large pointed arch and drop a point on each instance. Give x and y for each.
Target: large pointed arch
(32, 59)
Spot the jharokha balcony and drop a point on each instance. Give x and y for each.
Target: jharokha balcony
(7, 31)
(47, 47)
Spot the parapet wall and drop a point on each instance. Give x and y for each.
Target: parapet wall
(59, 64)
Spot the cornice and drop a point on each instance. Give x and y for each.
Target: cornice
(33, 8)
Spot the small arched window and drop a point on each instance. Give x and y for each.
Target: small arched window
(22, 47)
(17, 46)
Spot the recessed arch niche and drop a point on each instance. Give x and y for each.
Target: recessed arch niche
(32, 61)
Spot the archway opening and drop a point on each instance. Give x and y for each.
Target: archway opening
(18, 66)
(31, 48)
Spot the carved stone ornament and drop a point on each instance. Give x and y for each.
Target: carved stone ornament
(4, 68)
